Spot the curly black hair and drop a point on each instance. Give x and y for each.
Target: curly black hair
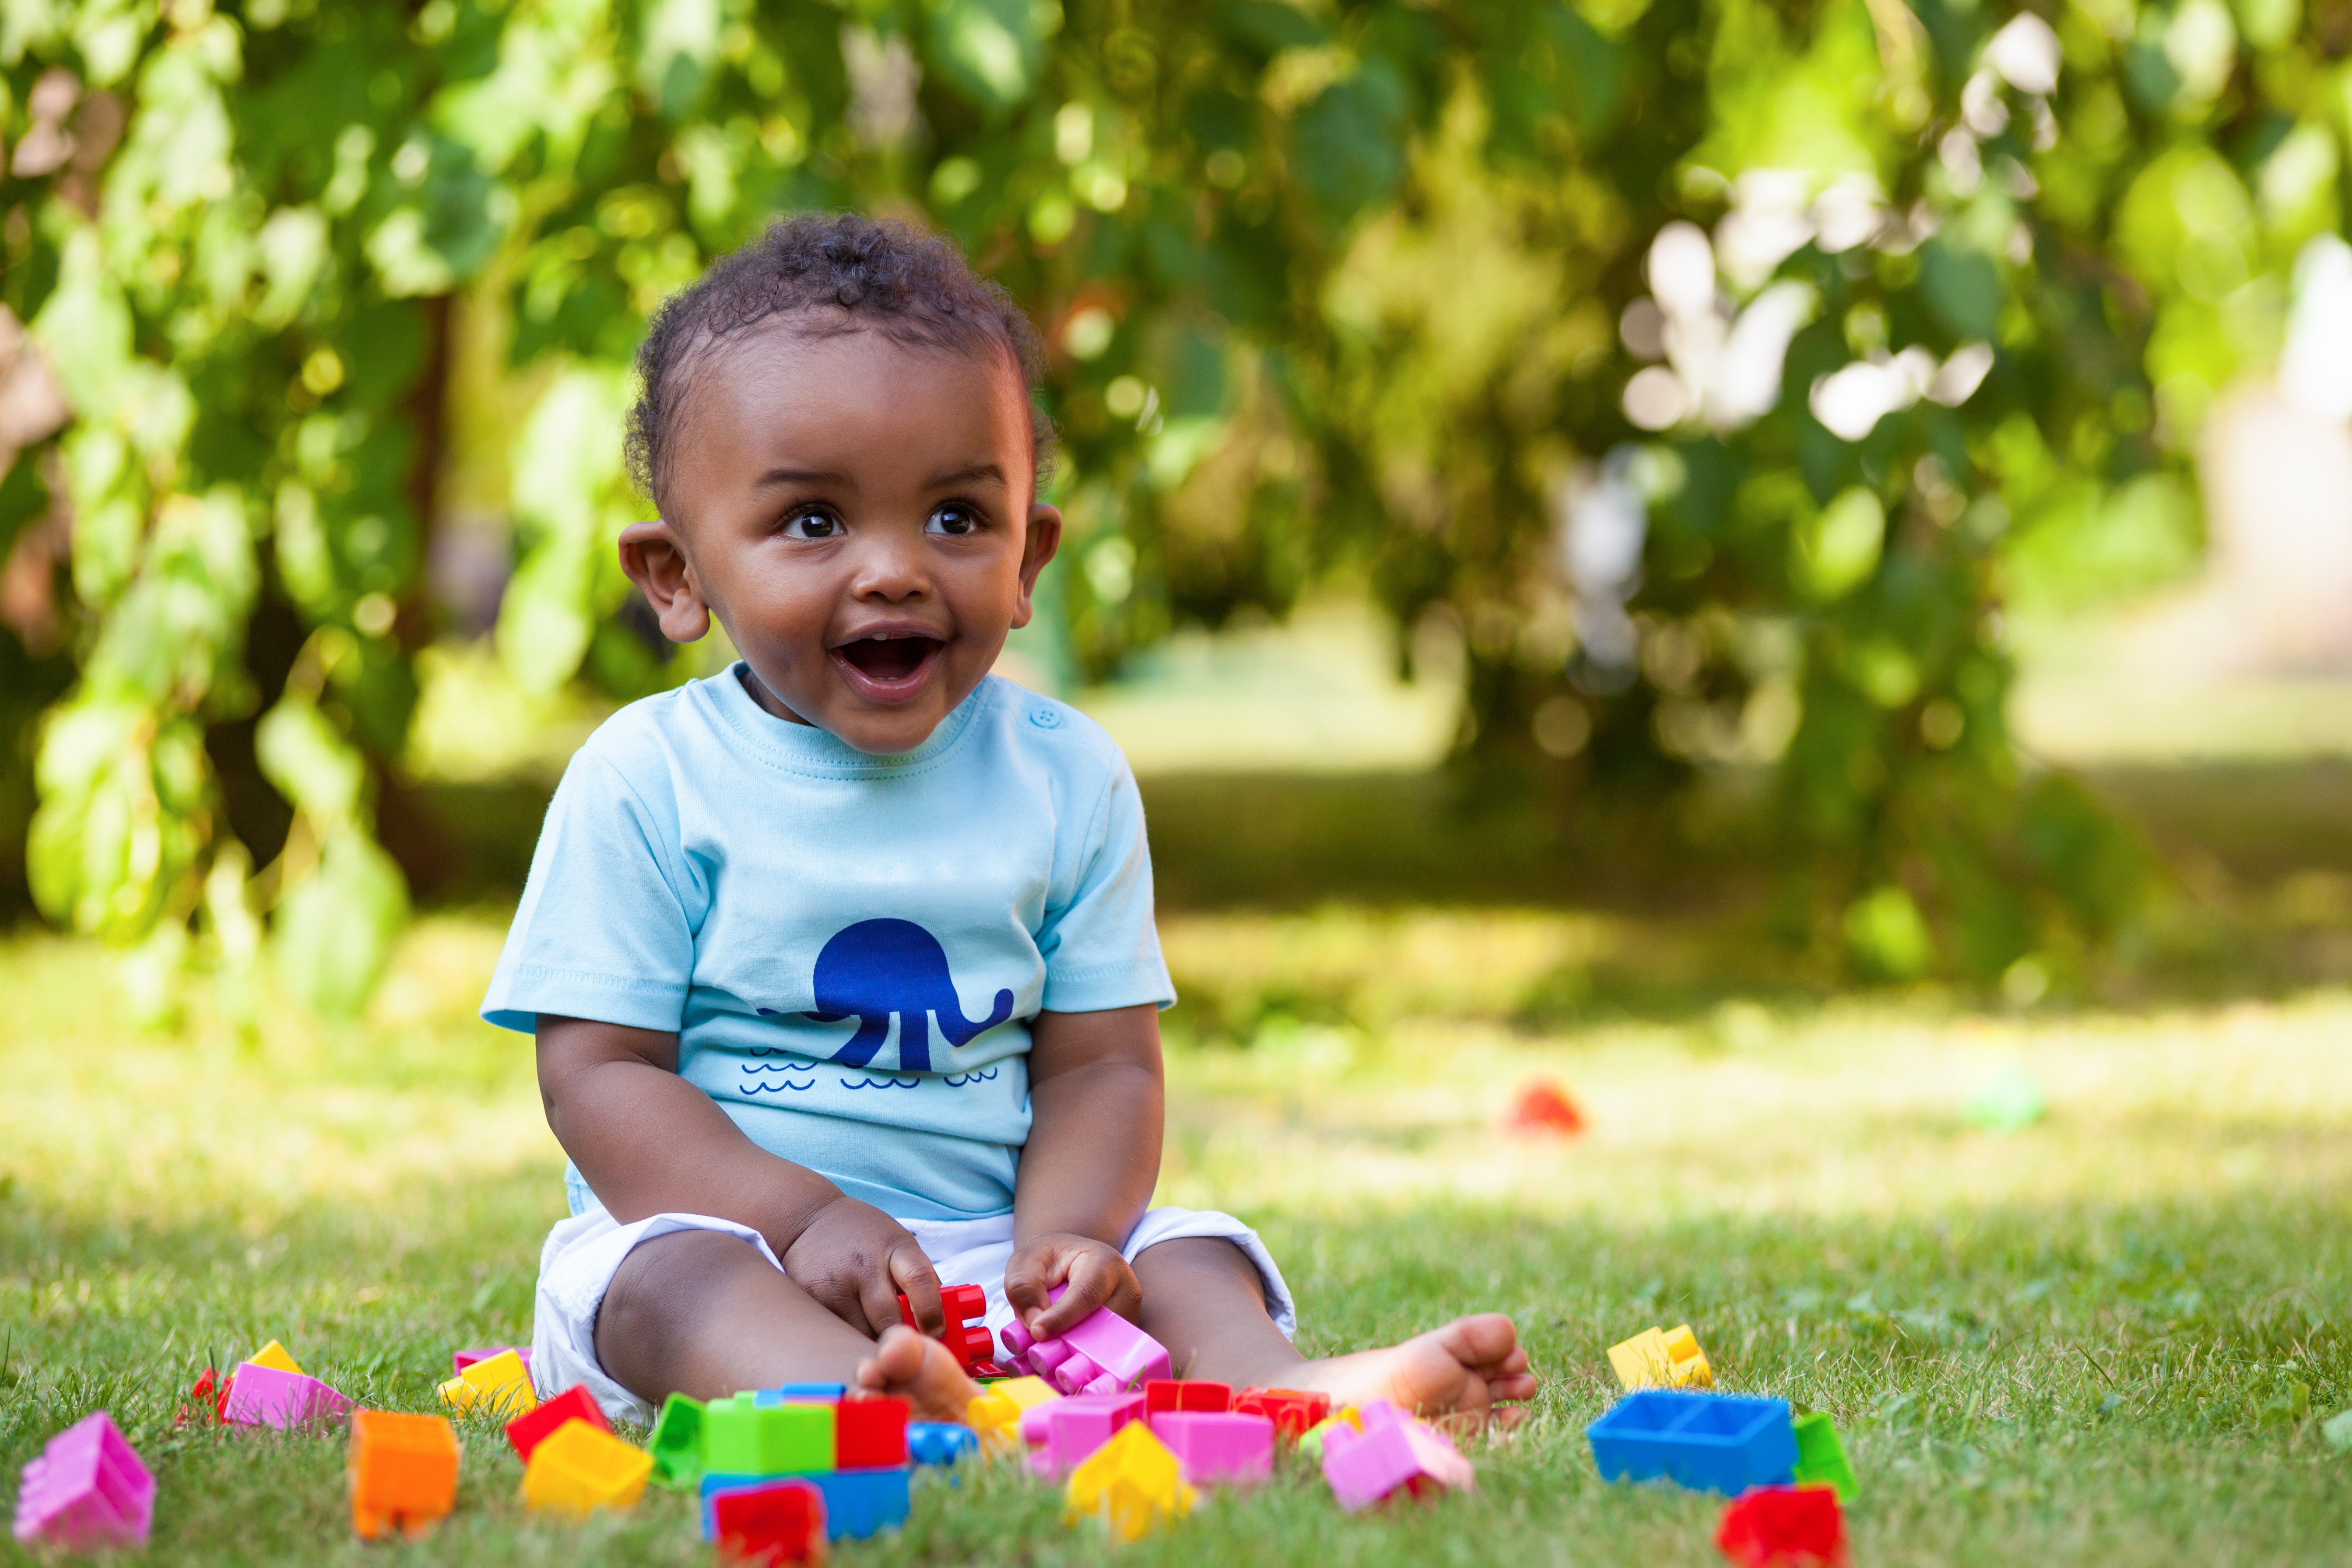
(845, 273)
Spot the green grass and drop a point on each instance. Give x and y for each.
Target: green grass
(2108, 1339)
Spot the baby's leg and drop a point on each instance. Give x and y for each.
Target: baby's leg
(702, 1313)
(1203, 1299)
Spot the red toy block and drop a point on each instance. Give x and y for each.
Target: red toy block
(962, 1304)
(526, 1431)
(1784, 1527)
(1546, 1110)
(1291, 1411)
(869, 1434)
(1164, 1395)
(783, 1522)
(210, 1396)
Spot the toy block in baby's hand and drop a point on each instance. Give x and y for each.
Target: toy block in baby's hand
(782, 1521)
(403, 1472)
(1103, 1353)
(578, 1468)
(966, 1333)
(528, 1430)
(1291, 1410)
(497, 1386)
(1784, 1527)
(1165, 1393)
(1131, 1483)
(86, 1489)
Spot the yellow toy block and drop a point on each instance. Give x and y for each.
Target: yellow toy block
(1687, 1363)
(500, 1386)
(997, 1420)
(579, 1468)
(1652, 1359)
(1027, 1392)
(403, 1472)
(274, 1356)
(1131, 1483)
(1310, 1442)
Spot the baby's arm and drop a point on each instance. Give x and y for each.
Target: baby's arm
(1097, 1100)
(650, 1143)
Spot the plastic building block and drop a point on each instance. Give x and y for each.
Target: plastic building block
(966, 1333)
(995, 1421)
(778, 1522)
(1164, 1393)
(1784, 1527)
(742, 1437)
(460, 1360)
(1393, 1453)
(1545, 1110)
(497, 1385)
(1310, 1442)
(86, 1489)
(857, 1503)
(1104, 1353)
(526, 1431)
(1131, 1483)
(1670, 1359)
(939, 1442)
(1027, 1392)
(1710, 1442)
(1063, 1433)
(578, 1468)
(403, 1472)
(804, 1394)
(869, 1434)
(265, 1396)
(275, 1356)
(1215, 1447)
(1821, 1458)
(1291, 1411)
(677, 1445)
(209, 1396)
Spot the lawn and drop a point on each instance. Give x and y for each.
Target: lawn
(2108, 1337)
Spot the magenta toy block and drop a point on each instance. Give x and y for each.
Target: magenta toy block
(265, 1396)
(1217, 1448)
(1068, 1431)
(1393, 1453)
(1103, 1354)
(85, 1489)
(460, 1360)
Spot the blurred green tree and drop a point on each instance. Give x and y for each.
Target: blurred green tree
(1713, 368)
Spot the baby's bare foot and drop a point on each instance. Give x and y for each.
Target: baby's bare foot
(924, 1372)
(1460, 1370)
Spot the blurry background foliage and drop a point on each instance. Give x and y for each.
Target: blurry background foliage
(1709, 371)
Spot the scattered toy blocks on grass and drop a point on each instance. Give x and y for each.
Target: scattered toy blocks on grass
(1821, 1458)
(1392, 1454)
(742, 1436)
(1291, 1410)
(1217, 1447)
(1063, 1433)
(1652, 1359)
(676, 1445)
(526, 1431)
(1711, 1442)
(460, 1360)
(1104, 1353)
(403, 1470)
(857, 1503)
(1131, 1483)
(870, 1434)
(265, 1396)
(1784, 1527)
(777, 1521)
(578, 1468)
(497, 1385)
(939, 1442)
(1544, 1109)
(86, 1489)
(1164, 1393)
(275, 1356)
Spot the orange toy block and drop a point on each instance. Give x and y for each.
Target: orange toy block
(403, 1472)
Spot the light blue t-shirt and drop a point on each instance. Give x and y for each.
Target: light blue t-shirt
(849, 947)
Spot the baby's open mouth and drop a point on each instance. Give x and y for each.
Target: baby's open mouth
(891, 658)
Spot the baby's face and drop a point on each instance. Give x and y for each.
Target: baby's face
(857, 513)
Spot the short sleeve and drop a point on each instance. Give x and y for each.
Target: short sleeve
(603, 931)
(1100, 946)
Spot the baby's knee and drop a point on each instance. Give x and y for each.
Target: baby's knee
(659, 1289)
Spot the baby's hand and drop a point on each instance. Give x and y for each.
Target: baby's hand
(856, 1261)
(1097, 1277)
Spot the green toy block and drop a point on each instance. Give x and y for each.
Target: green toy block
(677, 1447)
(742, 1438)
(1821, 1458)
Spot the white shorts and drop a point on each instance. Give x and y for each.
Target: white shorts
(582, 1254)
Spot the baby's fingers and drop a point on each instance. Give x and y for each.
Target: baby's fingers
(911, 1276)
(1030, 1275)
(1097, 1277)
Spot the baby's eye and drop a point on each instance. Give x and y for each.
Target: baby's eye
(813, 525)
(953, 518)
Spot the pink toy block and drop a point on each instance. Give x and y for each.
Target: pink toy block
(1214, 1447)
(85, 1489)
(1395, 1452)
(265, 1396)
(1067, 1432)
(1103, 1354)
(460, 1360)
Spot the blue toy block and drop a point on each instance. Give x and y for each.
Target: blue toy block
(801, 1393)
(1709, 1442)
(857, 1503)
(939, 1442)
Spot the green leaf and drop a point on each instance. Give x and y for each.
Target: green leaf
(991, 51)
(333, 930)
(310, 763)
(1837, 549)
(1349, 147)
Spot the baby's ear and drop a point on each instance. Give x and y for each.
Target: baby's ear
(1045, 537)
(655, 562)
